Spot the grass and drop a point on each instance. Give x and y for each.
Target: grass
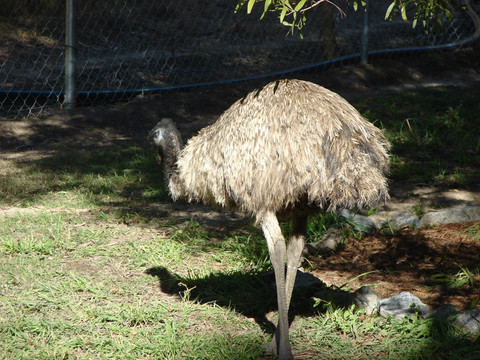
(89, 272)
(463, 277)
(434, 133)
(89, 295)
(474, 231)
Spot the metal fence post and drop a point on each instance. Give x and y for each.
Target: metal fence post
(70, 54)
(365, 33)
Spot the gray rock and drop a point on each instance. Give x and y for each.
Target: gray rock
(469, 321)
(306, 285)
(443, 312)
(408, 220)
(454, 214)
(396, 219)
(403, 219)
(363, 224)
(404, 304)
(328, 243)
(366, 298)
(359, 223)
(363, 298)
(346, 213)
(380, 220)
(307, 280)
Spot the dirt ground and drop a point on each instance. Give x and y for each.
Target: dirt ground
(411, 260)
(407, 261)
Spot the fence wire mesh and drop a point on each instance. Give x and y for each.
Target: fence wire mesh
(125, 47)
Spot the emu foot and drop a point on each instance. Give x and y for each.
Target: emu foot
(272, 348)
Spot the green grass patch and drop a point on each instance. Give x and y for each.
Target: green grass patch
(464, 276)
(347, 334)
(434, 133)
(83, 179)
(474, 231)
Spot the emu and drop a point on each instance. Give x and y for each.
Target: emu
(285, 151)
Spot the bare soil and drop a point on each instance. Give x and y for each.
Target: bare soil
(410, 260)
(405, 261)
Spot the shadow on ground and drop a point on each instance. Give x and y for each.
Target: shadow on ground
(252, 294)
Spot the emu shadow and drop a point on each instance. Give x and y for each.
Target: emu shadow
(250, 293)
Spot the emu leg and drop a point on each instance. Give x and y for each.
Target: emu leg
(295, 246)
(278, 255)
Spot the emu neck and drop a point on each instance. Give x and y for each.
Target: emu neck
(171, 152)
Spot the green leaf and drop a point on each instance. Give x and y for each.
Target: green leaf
(283, 13)
(250, 6)
(389, 10)
(300, 5)
(265, 9)
(267, 5)
(287, 4)
(439, 22)
(403, 11)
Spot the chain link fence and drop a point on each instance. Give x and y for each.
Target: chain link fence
(127, 47)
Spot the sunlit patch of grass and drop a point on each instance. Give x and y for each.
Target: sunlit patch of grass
(33, 234)
(241, 249)
(47, 312)
(74, 284)
(46, 233)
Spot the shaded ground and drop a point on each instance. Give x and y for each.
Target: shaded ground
(408, 260)
(426, 262)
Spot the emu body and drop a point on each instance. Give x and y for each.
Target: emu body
(287, 150)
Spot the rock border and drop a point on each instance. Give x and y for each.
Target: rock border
(396, 220)
(402, 219)
(404, 304)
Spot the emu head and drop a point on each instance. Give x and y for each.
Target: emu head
(165, 140)
(167, 144)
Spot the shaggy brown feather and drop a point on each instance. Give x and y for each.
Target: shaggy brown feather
(290, 141)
